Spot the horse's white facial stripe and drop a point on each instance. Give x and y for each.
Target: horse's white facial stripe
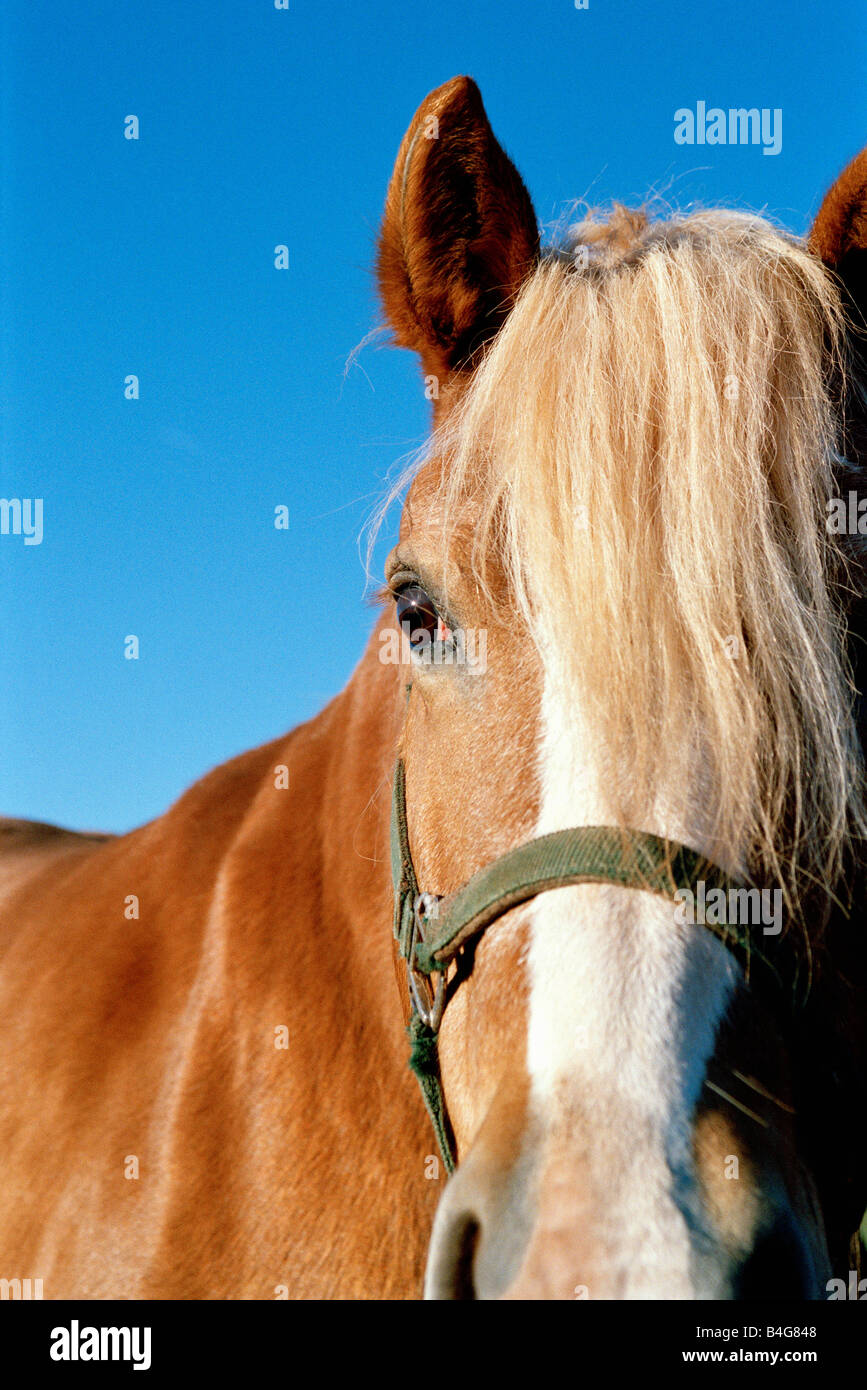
(624, 1010)
(623, 989)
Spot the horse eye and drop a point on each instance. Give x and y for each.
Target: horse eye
(417, 614)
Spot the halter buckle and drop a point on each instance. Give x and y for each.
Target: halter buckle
(428, 1001)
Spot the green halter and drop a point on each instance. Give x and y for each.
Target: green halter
(430, 931)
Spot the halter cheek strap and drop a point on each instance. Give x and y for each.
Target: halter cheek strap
(430, 931)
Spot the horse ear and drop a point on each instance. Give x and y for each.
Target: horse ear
(459, 234)
(839, 234)
(839, 238)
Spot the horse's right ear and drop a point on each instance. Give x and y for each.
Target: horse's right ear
(459, 234)
(839, 234)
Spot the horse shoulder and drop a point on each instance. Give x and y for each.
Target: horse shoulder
(31, 848)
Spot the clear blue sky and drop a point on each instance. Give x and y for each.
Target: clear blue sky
(155, 257)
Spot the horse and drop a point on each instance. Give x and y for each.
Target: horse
(636, 436)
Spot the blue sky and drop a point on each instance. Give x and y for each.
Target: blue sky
(155, 257)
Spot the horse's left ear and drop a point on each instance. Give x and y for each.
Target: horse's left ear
(459, 234)
(839, 234)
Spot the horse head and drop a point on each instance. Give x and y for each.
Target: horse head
(623, 608)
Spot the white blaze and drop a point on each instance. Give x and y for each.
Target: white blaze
(624, 1010)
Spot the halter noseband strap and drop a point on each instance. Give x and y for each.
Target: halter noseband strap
(430, 931)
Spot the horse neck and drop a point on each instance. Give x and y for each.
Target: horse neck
(345, 759)
(306, 939)
(328, 842)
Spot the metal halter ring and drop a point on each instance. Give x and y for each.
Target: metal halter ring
(428, 1001)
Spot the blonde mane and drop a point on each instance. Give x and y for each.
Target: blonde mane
(650, 442)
